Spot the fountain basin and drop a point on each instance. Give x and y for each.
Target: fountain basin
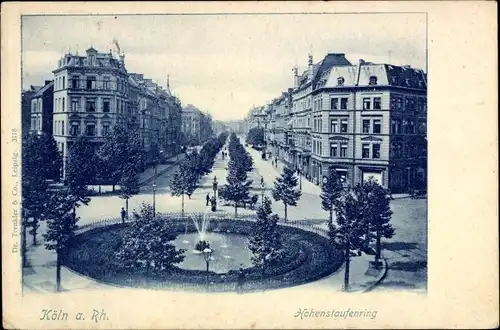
(230, 252)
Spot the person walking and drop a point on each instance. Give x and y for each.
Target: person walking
(241, 281)
(208, 199)
(123, 214)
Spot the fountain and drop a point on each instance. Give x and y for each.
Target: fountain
(202, 228)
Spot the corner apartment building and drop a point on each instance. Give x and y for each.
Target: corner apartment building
(364, 120)
(90, 97)
(93, 93)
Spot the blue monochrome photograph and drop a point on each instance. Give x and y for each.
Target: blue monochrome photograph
(227, 154)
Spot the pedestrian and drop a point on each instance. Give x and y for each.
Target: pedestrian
(241, 281)
(208, 199)
(390, 194)
(213, 201)
(123, 213)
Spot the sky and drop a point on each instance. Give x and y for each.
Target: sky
(223, 64)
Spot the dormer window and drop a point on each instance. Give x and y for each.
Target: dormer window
(92, 59)
(340, 81)
(373, 80)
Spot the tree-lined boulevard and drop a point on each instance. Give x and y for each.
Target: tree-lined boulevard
(359, 220)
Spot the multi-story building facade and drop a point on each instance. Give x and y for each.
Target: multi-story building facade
(93, 93)
(42, 109)
(364, 120)
(90, 97)
(196, 126)
(26, 108)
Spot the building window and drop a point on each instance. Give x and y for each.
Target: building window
(62, 128)
(343, 150)
(376, 151)
(334, 104)
(333, 150)
(63, 107)
(90, 130)
(377, 103)
(75, 129)
(343, 103)
(75, 82)
(63, 82)
(396, 126)
(400, 103)
(105, 130)
(91, 82)
(373, 80)
(366, 126)
(91, 105)
(105, 106)
(343, 125)
(377, 126)
(106, 83)
(366, 103)
(340, 81)
(365, 150)
(75, 105)
(334, 126)
(422, 127)
(396, 150)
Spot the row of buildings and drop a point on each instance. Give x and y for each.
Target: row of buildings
(91, 94)
(364, 120)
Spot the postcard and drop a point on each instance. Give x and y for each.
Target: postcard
(249, 165)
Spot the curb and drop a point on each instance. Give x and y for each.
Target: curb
(154, 177)
(380, 278)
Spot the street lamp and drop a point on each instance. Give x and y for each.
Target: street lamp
(154, 198)
(262, 189)
(207, 254)
(300, 178)
(214, 186)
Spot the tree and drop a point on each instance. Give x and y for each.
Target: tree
(51, 157)
(331, 191)
(61, 227)
(113, 153)
(183, 183)
(129, 183)
(147, 244)
(377, 215)
(237, 187)
(265, 238)
(81, 169)
(255, 136)
(34, 186)
(154, 155)
(347, 234)
(286, 190)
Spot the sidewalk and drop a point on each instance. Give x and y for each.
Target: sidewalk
(149, 174)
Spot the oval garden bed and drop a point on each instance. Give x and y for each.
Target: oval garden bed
(308, 257)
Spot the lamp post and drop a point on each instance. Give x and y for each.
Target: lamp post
(262, 189)
(214, 186)
(154, 198)
(300, 178)
(207, 254)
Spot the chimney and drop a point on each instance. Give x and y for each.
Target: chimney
(295, 77)
(310, 66)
